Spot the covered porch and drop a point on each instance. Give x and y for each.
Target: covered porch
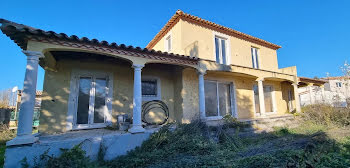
(250, 93)
(89, 83)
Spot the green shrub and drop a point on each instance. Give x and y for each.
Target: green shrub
(69, 158)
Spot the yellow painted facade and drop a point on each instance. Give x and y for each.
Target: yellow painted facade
(198, 41)
(179, 83)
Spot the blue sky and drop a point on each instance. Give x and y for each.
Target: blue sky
(314, 34)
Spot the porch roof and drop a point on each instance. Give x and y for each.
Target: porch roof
(306, 81)
(21, 34)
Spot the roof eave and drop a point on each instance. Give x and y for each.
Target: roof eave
(196, 20)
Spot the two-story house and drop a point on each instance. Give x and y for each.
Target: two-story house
(198, 69)
(194, 68)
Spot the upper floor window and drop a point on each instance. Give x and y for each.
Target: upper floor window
(338, 84)
(255, 58)
(168, 43)
(220, 50)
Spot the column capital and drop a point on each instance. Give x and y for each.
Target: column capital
(201, 71)
(260, 79)
(137, 66)
(33, 54)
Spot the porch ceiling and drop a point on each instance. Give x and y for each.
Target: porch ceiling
(22, 35)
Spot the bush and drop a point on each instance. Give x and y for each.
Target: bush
(69, 158)
(326, 115)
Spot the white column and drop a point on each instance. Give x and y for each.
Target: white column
(25, 120)
(137, 101)
(296, 97)
(201, 94)
(311, 93)
(261, 97)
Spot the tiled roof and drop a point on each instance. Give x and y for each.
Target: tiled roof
(335, 78)
(20, 34)
(196, 20)
(311, 80)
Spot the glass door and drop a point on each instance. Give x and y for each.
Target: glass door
(91, 104)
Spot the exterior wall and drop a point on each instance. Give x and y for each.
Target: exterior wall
(333, 95)
(191, 39)
(189, 95)
(57, 84)
(176, 39)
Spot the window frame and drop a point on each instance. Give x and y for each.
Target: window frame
(273, 97)
(233, 103)
(338, 84)
(168, 40)
(227, 47)
(73, 99)
(255, 57)
(158, 96)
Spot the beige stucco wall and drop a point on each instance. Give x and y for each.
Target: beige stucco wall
(189, 95)
(194, 40)
(176, 40)
(57, 88)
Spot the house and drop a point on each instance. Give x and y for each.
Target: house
(335, 91)
(199, 69)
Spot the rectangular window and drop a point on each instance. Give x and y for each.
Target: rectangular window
(268, 98)
(255, 57)
(290, 100)
(91, 101)
(149, 87)
(269, 106)
(218, 99)
(338, 84)
(256, 99)
(168, 43)
(220, 50)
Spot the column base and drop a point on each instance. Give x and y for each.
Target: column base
(136, 129)
(22, 140)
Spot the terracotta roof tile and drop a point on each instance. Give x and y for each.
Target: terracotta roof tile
(305, 79)
(20, 34)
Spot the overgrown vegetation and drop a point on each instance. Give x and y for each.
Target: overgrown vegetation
(5, 135)
(315, 143)
(327, 115)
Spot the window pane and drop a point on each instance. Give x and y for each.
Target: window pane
(169, 43)
(256, 99)
(211, 102)
(224, 99)
(149, 88)
(256, 58)
(223, 49)
(217, 50)
(253, 62)
(100, 100)
(268, 98)
(83, 100)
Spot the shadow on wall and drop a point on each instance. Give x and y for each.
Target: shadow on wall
(57, 89)
(245, 107)
(192, 49)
